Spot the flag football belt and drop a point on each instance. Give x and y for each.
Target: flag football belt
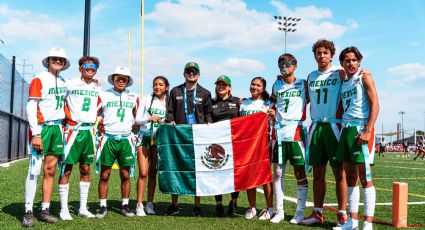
(354, 123)
(278, 126)
(80, 126)
(326, 120)
(51, 123)
(116, 137)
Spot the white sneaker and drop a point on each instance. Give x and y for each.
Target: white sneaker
(278, 217)
(367, 225)
(298, 217)
(64, 215)
(266, 214)
(250, 213)
(85, 213)
(140, 211)
(150, 209)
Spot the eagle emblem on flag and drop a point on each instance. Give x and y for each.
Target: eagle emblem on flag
(214, 157)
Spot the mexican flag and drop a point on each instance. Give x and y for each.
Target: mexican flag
(205, 160)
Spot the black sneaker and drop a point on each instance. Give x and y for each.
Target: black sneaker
(172, 210)
(219, 211)
(28, 220)
(197, 211)
(231, 210)
(102, 212)
(47, 217)
(125, 210)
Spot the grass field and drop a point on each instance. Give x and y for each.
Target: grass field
(392, 168)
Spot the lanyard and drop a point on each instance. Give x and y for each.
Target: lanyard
(193, 100)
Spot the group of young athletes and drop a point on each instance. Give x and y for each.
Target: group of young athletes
(64, 116)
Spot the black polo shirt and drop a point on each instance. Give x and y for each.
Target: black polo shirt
(225, 109)
(175, 107)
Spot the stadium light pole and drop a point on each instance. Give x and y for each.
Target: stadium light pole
(402, 125)
(287, 25)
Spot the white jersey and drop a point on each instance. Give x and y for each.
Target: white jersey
(291, 101)
(324, 92)
(250, 106)
(119, 110)
(50, 91)
(82, 102)
(147, 110)
(354, 99)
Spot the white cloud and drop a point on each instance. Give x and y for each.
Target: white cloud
(407, 74)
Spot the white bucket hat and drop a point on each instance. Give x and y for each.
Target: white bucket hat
(121, 71)
(56, 52)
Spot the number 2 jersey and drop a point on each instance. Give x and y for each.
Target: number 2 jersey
(291, 101)
(324, 92)
(82, 102)
(119, 110)
(354, 99)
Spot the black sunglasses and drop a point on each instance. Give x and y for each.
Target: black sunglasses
(193, 71)
(60, 59)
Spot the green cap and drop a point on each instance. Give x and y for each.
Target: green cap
(193, 65)
(225, 79)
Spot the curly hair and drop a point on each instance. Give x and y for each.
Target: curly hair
(326, 44)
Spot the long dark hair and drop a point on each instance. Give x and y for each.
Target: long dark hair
(165, 80)
(265, 96)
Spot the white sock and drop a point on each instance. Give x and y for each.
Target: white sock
(31, 182)
(302, 191)
(353, 199)
(366, 224)
(279, 185)
(355, 223)
(103, 203)
(63, 196)
(342, 212)
(369, 195)
(45, 206)
(125, 201)
(84, 193)
(318, 209)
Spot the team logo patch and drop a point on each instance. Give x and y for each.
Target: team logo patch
(214, 157)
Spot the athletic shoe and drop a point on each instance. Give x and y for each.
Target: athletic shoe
(266, 214)
(197, 211)
(343, 223)
(85, 213)
(125, 211)
(278, 217)
(47, 217)
(315, 217)
(231, 210)
(250, 213)
(64, 215)
(140, 210)
(367, 225)
(219, 210)
(150, 209)
(102, 212)
(298, 217)
(28, 220)
(172, 210)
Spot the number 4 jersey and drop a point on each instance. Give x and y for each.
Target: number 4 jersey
(119, 110)
(324, 92)
(82, 102)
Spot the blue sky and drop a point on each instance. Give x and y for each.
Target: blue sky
(233, 37)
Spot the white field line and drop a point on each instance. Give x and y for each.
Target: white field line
(7, 164)
(405, 162)
(310, 204)
(400, 167)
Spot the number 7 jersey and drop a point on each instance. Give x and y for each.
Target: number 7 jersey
(324, 92)
(82, 102)
(119, 110)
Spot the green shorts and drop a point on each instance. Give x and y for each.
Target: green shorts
(350, 151)
(114, 150)
(323, 144)
(52, 139)
(80, 147)
(292, 151)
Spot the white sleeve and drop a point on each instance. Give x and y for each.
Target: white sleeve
(32, 116)
(141, 118)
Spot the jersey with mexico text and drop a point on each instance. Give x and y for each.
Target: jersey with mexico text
(119, 110)
(250, 106)
(82, 102)
(355, 100)
(149, 108)
(50, 91)
(291, 100)
(324, 92)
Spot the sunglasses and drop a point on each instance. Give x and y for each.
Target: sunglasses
(89, 66)
(191, 71)
(60, 59)
(286, 64)
(119, 78)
